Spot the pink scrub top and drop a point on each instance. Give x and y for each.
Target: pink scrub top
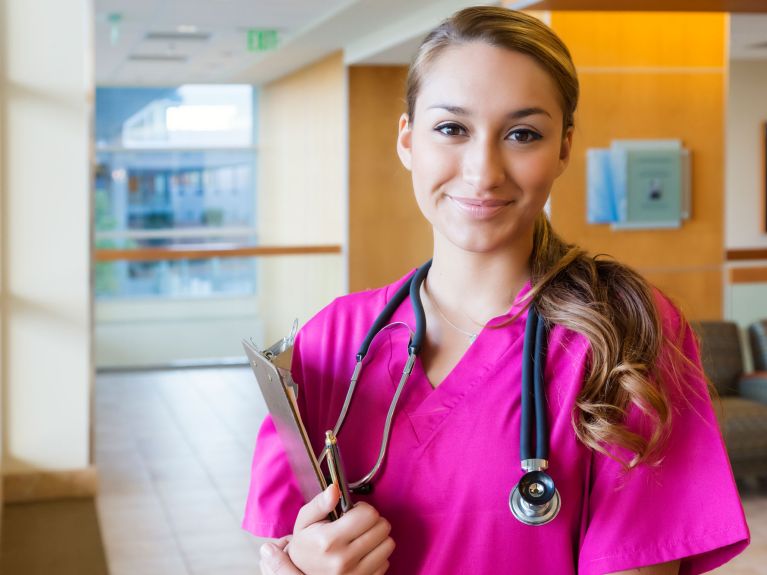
(454, 458)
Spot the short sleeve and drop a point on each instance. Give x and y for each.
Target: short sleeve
(684, 508)
(274, 498)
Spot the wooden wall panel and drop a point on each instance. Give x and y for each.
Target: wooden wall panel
(617, 106)
(639, 39)
(647, 5)
(387, 233)
(697, 291)
(681, 97)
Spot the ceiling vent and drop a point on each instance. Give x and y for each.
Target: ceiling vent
(178, 36)
(157, 58)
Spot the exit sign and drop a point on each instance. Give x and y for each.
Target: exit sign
(262, 40)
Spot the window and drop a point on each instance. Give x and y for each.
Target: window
(175, 168)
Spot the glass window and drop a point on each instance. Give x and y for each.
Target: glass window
(175, 167)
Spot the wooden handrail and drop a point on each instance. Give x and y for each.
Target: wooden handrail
(205, 251)
(748, 275)
(746, 254)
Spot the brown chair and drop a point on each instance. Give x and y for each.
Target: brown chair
(757, 336)
(742, 402)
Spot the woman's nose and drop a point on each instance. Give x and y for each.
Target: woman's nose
(483, 167)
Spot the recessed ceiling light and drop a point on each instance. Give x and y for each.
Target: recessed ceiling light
(186, 29)
(178, 36)
(157, 58)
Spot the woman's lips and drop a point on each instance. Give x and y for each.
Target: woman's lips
(480, 209)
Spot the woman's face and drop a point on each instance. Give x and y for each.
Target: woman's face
(485, 145)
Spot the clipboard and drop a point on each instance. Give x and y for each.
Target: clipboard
(272, 370)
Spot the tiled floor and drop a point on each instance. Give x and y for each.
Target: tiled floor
(173, 450)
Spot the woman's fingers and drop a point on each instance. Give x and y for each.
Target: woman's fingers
(383, 569)
(358, 520)
(282, 543)
(358, 543)
(371, 539)
(274, 561)
(318, 508)
(374, 561)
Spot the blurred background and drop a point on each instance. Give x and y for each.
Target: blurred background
(178, 175)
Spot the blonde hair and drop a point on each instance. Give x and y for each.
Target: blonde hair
(607, 302)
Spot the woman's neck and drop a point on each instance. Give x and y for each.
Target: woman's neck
(478, 286)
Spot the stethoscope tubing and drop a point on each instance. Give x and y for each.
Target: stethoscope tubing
(410, 288)
(533, 398)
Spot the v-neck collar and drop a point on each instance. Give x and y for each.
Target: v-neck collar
(426, 406)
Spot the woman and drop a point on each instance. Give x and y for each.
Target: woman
(635, 450)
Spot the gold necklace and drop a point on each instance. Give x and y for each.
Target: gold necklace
(470, 335)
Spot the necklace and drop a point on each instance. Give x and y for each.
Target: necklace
(470, 335)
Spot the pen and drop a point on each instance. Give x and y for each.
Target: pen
(337, 475)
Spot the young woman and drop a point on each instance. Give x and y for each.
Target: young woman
(642, 476)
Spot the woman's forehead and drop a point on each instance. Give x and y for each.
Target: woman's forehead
(477, 76)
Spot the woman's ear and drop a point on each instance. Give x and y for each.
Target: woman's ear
(405, 141)
(564, 150)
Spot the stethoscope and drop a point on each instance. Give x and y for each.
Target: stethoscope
(534, 500)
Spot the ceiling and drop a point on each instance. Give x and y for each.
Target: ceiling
(167, 42)
(211, 43)
(748, 37)
(172, 42)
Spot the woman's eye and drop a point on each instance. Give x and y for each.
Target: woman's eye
(524, 136)
(450, 129)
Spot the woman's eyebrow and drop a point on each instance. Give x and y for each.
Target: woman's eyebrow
(524, 112)
(515, 115)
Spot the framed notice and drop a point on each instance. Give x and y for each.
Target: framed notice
(639, 184)
(653, 187)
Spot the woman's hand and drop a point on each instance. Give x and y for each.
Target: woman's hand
(356, 544)
(274, 559)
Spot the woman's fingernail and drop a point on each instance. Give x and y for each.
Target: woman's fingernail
(267, 550)
(329, 494)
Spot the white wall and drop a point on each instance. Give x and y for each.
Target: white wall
(146, 333)
(744, 185)
(46, 89)
(744, 170)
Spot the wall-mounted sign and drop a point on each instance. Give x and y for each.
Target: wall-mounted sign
(638, 184)
(262, 39)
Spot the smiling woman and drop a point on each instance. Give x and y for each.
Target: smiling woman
(627, 417)
(484, 162)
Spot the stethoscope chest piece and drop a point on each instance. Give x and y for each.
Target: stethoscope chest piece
(535, 500)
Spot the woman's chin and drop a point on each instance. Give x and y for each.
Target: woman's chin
(480, 245)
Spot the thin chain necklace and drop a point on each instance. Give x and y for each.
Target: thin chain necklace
(470, 335)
